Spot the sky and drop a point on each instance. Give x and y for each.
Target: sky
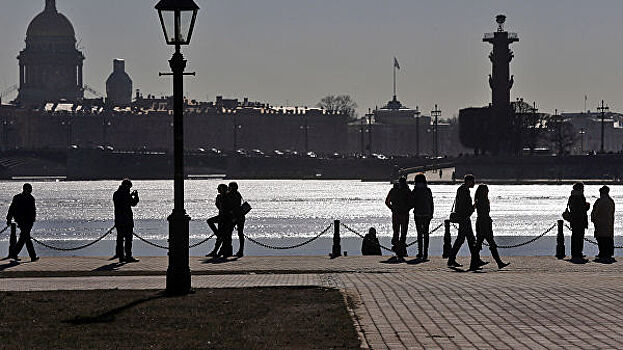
(297, 51)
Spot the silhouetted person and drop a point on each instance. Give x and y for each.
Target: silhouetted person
(484, 224)
(124, 220)
(239, 218)
(578, 208)
(370, 244)
(24, 212)
(464, 209)
(399, 202)
(423, 209)
(216, 220)
(602, 217)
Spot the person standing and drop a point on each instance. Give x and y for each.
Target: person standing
(423, 209)
(484, 224)
(217, 220)
(236, 203)
(124, 200)
(399, 202)
(578, 209)
(23, 210)
(464, 209)
(602, 217)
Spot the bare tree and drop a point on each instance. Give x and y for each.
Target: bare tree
(343, 104)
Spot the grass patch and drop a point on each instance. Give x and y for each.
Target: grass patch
(256, 318)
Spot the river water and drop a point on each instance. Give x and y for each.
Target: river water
(284, 212)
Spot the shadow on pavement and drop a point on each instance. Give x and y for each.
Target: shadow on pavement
(109, 316)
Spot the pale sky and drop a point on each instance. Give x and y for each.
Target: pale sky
(298, 51)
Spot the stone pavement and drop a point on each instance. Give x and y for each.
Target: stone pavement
(537, 303)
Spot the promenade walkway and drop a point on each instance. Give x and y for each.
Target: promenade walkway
(536, 303)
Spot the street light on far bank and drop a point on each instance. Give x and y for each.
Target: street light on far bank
(178, 20)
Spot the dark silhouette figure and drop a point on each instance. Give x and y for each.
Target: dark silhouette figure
(370, 244)
(239, 217)
(578, 209)
(217, 220)
(464, 209)
(484, 224)
(124, 220)
(399, 202)
(602, 217)
(24, 212)
(231, 217)
(423, 209)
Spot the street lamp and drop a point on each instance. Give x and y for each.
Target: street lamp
(178, 20)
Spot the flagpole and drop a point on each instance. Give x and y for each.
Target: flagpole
(394, 78)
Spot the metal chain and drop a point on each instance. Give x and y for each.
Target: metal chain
(202, 242)
(4, 229)
(150, 243)
(363, 237)
(430, 233)
(524, 243)
(289, 247)
(75, 248)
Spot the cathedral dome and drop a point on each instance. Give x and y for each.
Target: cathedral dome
(50, 23)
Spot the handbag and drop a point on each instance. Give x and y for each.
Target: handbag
(566, 215)
(454, 216)
(245, 208)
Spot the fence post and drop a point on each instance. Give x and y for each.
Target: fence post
(560, 240)
(12, 239)
(337, 247)
(447, 240)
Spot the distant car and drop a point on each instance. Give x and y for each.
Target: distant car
(109, 148)
(215, 151)
(278, 152)
(257, 152)
(101, 148)
(336, 155)
(73, 147)
(202, 150)
(241, 152)
(311, 155)
(380, 156)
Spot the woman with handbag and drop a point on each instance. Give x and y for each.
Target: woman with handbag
(484, 224)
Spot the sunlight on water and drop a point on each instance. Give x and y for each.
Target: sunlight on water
(83, 210)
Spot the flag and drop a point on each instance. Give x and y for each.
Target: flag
(396, 64)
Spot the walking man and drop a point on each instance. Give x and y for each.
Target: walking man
(578, 208)
(399, 202)
(24, 212)
(603, 218)
(464, 209)
(423, 209)
(124, 220)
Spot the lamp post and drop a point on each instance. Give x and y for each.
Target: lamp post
(177, 18)
(603, 109)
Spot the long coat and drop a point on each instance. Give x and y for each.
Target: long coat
(603, 217)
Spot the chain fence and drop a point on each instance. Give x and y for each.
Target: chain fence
(292, 246)
(351, 230)
(590, 240)
(49, 246)
(519, 244)
(4, 229)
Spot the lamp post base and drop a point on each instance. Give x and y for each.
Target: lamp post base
(178, 272)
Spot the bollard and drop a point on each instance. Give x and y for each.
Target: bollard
(337, 247)
(447, 240)
(560, 240)
(12, 239)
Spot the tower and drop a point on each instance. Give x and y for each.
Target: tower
(500, 80)
(50, 67)
(118, 86)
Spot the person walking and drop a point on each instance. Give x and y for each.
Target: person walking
(24, 211)
(123, 201)
(463, 209)
(602, 217)
(399, 202)
(239, 218)
(370, 244)
(578, 209)
(217, 220)
(423, 209)
(484, 224)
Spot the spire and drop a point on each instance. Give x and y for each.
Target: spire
(50, 5)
